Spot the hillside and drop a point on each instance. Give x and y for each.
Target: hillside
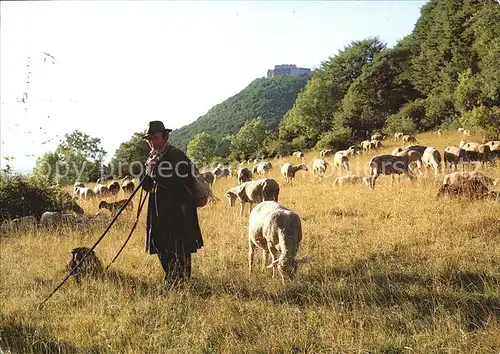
(442, 75)
(268, 98)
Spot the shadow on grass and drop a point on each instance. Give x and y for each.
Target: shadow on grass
(367, 283)
(22, 338)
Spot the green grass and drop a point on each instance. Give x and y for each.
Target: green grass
(392, 270)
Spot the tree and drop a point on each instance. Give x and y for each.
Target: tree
(78, 157)
(484, 119)
(249, 139)
(201, 149)
(381, 90)
(130, 156)
(314, 107)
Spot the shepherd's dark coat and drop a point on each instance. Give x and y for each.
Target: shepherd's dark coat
(172, 220)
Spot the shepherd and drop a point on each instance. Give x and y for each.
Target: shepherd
(172, 230)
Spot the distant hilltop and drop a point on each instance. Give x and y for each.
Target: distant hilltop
(288, 70)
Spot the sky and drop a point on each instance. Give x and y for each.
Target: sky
(107, 68)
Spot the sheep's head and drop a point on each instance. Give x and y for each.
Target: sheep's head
(231, 197)
(288, 266)
(304, 167)
(102, 204)
(366, 181)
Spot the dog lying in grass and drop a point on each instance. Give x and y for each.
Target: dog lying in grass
(91, 265)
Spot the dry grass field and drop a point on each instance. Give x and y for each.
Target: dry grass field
(393, 270)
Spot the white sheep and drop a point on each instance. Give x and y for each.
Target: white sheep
(277, 231)
(253, 192)
(100, 190)
(319, 167)
(300, 155)
(341, 161)
(431, 158)
(84, 192)
(288, 171)
(263, 168)
(351, 179)
(460, 176)
(54, 219)
(24, 223)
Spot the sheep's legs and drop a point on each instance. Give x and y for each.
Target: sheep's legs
(251, 251)
(264, 258)
(274, 255)
(242, 206)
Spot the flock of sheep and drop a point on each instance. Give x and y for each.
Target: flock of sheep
(74, 215)
(277, 231)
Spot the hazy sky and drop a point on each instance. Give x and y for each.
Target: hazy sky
(120, 64)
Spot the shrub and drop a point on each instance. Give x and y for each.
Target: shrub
(21, 196)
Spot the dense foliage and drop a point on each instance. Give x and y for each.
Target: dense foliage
(129, 158)
(78, 157)
(22, 195)
(441, 76)
(267, 98)
(444, 70)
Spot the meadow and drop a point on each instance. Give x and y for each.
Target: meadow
(393, 270)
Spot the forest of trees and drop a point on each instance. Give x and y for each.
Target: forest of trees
(443, 75)
(267, 98)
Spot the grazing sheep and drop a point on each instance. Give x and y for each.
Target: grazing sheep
(105, 179)
(128, 187)
(326, 153)
(411, 157)
(351, 179)
(419, 148)
(432, 159)
(494, 148)
(407, 139)
(100, 190)
(349, 152)
(114, 188)
(398, 136)
(277, 231)
(397, 150)
(84, 193)
(471, 189)
(263, 168)
(341, 161)
(460, 130)
(208, 177)
(453, 155)
(388, 165)
(78, 184)
(220, 172)
(377, 136)
(377, 144)
(319, 167)
(367, 145)
(288, 171)
(24, 223)
(88, 264)
(300, 155)
(253, 192)
(54, 219)
(244, 175)
(113, 207)
(460, 176)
